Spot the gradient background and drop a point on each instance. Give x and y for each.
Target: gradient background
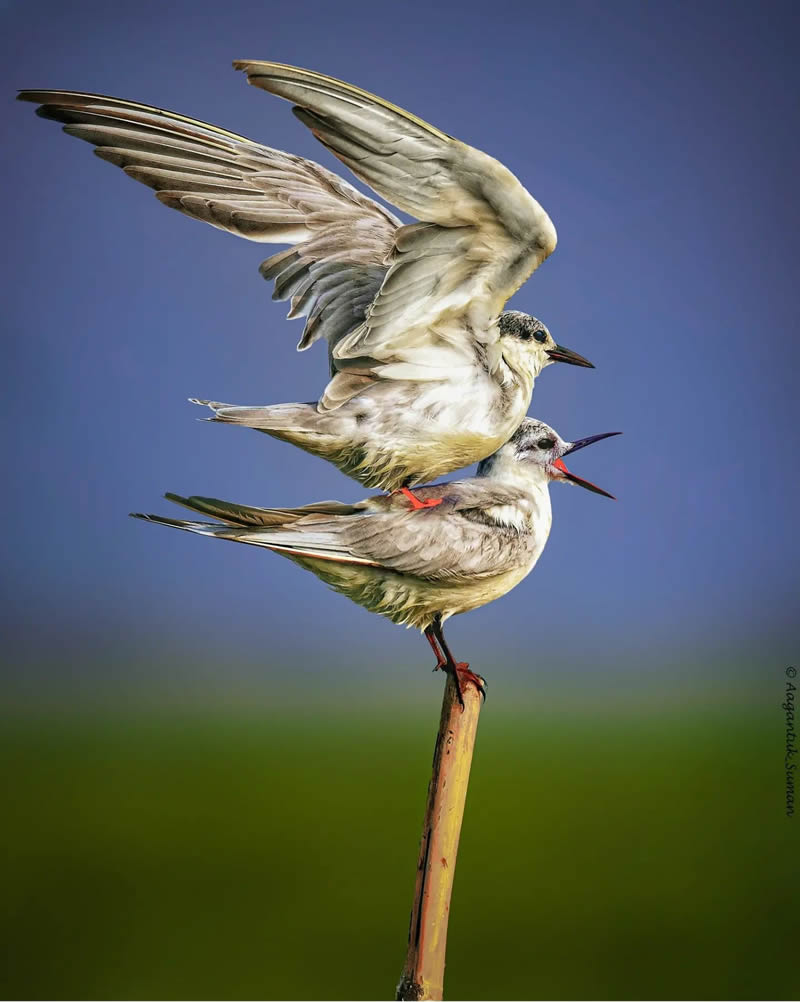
(216, 767)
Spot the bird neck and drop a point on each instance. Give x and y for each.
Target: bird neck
(522, 370)
(505, 468)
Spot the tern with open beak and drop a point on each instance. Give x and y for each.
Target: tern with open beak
(428, 374)
(479, 540)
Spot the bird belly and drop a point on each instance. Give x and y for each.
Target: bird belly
(401, 433)
(408, 600)
(412, 436)
(453, 599)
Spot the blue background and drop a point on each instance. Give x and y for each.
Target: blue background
(661, 139)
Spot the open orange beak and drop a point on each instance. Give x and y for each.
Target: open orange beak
(565, 473)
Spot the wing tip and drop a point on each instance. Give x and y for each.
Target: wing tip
(250, 66)
(39, 95)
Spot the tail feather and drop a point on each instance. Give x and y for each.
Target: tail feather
(204, 528)
(275, 418)
(238, 534)
(286, 541)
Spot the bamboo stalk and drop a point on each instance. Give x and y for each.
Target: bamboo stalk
(423, 974)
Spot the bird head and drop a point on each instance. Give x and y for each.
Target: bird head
(536, 449)
(528, 345)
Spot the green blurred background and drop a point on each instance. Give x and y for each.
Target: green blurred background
(615, 847)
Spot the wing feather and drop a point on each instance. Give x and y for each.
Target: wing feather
(443, 543)
(402, 302)
(247, 189)
(481, 236)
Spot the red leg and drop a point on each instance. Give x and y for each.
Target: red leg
(416, 504)
(441, 660)
(460, 669)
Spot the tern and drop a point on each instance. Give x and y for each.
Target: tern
(428, 372)
(479, 541)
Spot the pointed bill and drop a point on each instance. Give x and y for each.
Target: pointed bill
(562, 354)
(581, 443)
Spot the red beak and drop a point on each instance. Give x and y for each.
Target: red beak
(559, 465)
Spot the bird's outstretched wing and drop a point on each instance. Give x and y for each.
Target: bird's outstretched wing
(480, 237)
(394, 302)
(341, 237)
(456, 540)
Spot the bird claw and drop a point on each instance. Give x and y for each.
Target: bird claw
(462, 676)
(465, 676)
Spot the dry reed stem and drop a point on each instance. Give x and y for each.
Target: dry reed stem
(423, 974)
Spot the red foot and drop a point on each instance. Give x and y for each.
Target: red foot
(416, 504)
(465, 676)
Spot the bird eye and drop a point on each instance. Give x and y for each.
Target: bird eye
(546, 443)
(541, 336)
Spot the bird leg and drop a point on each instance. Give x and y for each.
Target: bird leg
(441, 660)
(460, 670)
(416, 503)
